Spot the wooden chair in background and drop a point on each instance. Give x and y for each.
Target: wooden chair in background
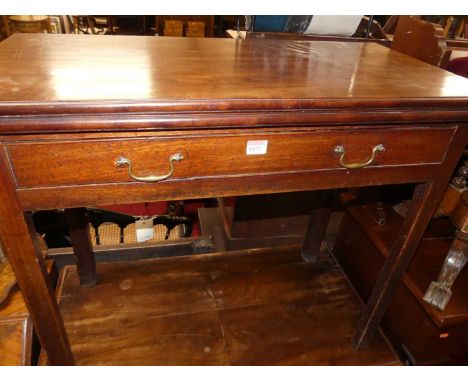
(428, 41)
(92, 24)
(421, 40)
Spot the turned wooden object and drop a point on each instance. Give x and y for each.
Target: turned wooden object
(439, 292)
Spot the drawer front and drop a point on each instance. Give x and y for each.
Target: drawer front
(95, 162)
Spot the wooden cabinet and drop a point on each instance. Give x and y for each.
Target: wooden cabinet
(420, 333)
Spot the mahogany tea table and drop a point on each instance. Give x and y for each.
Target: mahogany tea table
(100, 120)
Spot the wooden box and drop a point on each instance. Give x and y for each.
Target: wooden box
(16, 337)
(174, 28)
(195, 29)
(18, 345)
(420, 333)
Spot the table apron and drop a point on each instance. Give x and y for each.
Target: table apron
(222, 186)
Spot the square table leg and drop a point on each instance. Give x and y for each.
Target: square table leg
(317, 226)
(77, 224)
(426, 198)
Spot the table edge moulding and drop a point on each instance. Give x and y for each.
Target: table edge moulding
(188, 110)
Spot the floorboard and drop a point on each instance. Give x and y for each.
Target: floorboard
(251, 307)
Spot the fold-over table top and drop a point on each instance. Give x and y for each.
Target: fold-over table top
(62, 74)
(39, 67)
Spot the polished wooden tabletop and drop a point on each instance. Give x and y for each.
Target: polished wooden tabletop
(50, 68)
(71, 104)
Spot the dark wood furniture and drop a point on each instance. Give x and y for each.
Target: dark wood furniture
(314, 115)
(418, 331)
(309, 37)
(250, 307)
(259, 221)
(5, 29)
(416, 38)
(422, 40)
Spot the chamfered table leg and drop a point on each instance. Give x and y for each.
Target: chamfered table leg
(317, 226)
(425, 201)
(85, 263)
(31, 275)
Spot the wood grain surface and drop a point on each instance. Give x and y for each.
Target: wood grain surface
(169, 82)
(252, 307)
(109, 86)
(16, 341)
(419, 332)
(207, 155)
(46, 68)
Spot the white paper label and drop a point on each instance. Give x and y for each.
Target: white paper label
(144, 230)
(256, 147)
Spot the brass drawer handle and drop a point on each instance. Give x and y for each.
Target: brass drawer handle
(122, 161)
(341, 150)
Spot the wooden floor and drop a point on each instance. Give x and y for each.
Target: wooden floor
(253, 307)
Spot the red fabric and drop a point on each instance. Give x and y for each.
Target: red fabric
(459, 66)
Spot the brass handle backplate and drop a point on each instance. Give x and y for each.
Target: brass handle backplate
(122, 161)
(341, 150)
